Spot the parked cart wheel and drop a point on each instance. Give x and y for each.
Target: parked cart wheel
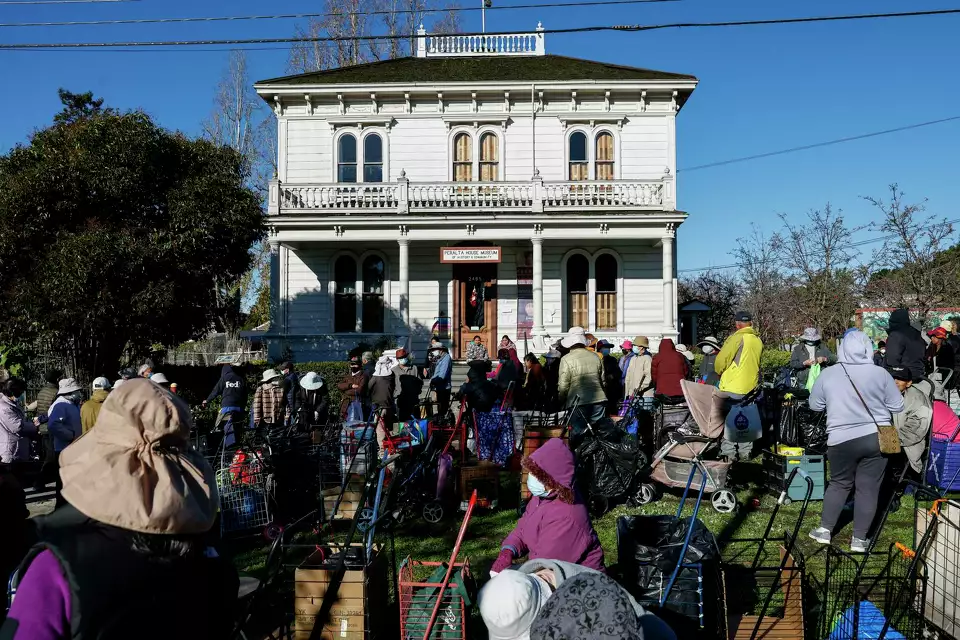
(724, 501)
(272, 531)
(646, 493)
(433, 512)
(365, 519)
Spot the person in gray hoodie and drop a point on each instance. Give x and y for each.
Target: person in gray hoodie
(510, 601)
(857, 396)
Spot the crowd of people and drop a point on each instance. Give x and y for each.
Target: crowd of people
(130, 486)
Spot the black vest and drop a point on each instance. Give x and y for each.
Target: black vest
(118, 592)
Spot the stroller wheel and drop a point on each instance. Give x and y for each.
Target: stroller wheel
(433, 512)
(272, 531)
(365, 520)
(724, 501)
(598, 505)
(646, 493)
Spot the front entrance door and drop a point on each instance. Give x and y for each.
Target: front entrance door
(475, 307)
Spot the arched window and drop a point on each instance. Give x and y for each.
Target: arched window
(347, 158)
(604, 156)
(373, 277)
(578, 291)
(489, 157)
(345, 299)
(463, 158)
(579, 162)
(373, 158)
(605, 273)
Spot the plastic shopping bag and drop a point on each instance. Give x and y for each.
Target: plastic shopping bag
(812, 376)
(743, 423)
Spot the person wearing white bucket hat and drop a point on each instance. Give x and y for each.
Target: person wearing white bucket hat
(91, 408)
(581, 384)
(808, 352)
(268, 400)
(313, 403)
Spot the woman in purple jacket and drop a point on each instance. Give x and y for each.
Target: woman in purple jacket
(556, 524)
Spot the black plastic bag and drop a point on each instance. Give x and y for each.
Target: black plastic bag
(813, 430)
(607, 468)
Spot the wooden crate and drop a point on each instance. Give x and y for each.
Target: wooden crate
(533, 439)
(789, 625)
(361, 598)
(350, 502)
(485, 478)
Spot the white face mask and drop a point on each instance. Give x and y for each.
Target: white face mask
(707, 349)
(535, 486)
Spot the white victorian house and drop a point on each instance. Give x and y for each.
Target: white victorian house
(479, 187)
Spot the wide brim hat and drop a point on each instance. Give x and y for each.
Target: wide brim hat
(510, 602)
(575, 336)
(136, 469)
(68, 385)
(159, 378)
(711, 341)
(311, 381)
(641, 341)
(271, 374)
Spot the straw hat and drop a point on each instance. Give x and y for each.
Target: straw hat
(136, 470)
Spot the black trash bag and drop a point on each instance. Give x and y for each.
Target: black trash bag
(606, 468)
(813, 430)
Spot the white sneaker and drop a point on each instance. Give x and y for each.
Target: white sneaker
(821, 535)
(859, 545)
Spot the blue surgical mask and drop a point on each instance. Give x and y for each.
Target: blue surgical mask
(404, 361)
(605, 352)
(636, 350)
(535, 486)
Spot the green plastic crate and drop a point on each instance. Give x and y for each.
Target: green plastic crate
(779, 467)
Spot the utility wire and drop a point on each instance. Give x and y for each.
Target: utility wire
(307, 39)
(286, 16)
(32, 2)
(737, 265)
(816, 145)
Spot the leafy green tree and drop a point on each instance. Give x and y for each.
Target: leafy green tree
(116, 234)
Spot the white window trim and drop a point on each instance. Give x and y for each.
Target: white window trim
(591, 289)
(592, 132)
(360, 134)
(332, 291)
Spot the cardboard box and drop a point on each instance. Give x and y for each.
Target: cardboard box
(485, 478)
(348, 504)
(361, 599)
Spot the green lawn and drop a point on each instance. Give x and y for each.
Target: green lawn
(487, 529)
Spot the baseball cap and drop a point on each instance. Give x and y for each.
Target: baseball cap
(743, 316)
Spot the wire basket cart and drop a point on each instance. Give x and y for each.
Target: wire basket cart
(419, 587)
(941, 557)
(242, 485)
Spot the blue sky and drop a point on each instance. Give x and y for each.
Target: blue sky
(761, 89)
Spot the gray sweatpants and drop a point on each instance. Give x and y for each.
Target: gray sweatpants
(859, 463)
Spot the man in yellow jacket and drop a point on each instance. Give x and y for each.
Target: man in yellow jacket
(90, 410)
(738, 362)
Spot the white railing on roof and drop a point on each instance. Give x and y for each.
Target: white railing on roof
(488, 44)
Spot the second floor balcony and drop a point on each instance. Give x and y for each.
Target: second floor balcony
(450, 198)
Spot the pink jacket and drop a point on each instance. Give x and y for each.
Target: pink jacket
(945, 421)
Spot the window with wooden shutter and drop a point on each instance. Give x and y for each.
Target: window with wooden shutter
(463, 158)
(489, 158)
(345, 299)
(578, 291)
(605, 274)
(579, 162)
(604, 160)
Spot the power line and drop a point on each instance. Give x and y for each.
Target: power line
(634, 28)
(737, 265)
(816, 145)
(298, 16)
(31, 2)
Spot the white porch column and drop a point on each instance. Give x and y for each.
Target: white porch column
(405, 282)
(538, 329)
(669, 308)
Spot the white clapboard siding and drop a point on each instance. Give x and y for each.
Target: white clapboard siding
(419, 147)
(308, 299)
(309, 151)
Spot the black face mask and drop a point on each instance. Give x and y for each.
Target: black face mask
(354, 367)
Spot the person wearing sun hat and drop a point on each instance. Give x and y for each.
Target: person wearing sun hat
(639, 380)
(126, 555)
(809, 351)
(710, 347)
(268, 400)
(581, 384)
(65, 424)
(313, 402)
(91, 408)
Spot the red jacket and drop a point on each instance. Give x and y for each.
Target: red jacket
(669, 368)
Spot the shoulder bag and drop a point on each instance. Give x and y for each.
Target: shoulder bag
(887, 433)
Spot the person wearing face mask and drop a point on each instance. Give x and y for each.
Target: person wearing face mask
(808, 352)
(532, 397)
(555, 524)
(65, 423)
(880, 353)
(407, 386)
(353, 386)
(710, 346)
(639, 380)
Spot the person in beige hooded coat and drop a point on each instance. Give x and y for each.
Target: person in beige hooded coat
(639, 380)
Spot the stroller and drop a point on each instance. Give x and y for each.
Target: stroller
(673, 463)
